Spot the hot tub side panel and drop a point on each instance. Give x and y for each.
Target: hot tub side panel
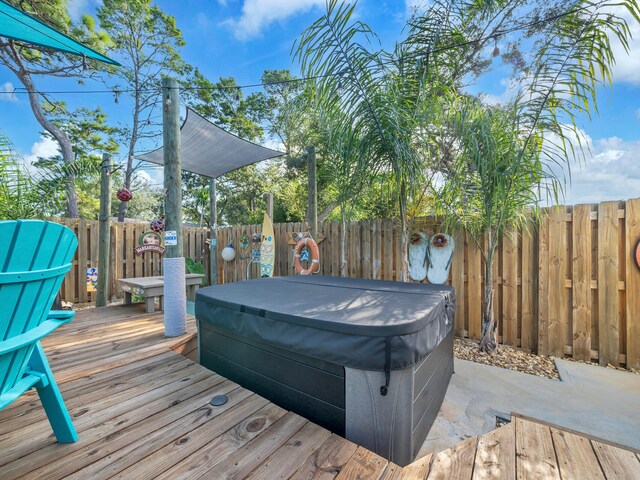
(310, 387)
(396, 425)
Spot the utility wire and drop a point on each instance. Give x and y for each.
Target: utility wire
(494, 36)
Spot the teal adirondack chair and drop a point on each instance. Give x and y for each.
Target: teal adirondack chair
(34, 258)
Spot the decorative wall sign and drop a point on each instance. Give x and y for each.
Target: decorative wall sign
(150, 242)
(92, 279)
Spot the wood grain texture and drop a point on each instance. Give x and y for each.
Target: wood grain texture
(510, 288)
(543, 284)
(496, 454)
(616, 462)
(364, 464)
(474, 289)
(582, 282)
(535, 455)
(576, 457)
(558, 297)
(456, 462)
(608, 301)
(528, 307)
(457, 281)
(327, 461)
(632, 280)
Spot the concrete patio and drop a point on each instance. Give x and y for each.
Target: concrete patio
(602, 402)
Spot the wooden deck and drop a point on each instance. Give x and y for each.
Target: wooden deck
(142, 411)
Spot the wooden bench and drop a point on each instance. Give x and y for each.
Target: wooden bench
(151, 287)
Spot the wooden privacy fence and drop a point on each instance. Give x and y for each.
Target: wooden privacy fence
(568, 286)
(123, 262)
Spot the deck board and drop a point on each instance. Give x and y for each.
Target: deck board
(142, 411)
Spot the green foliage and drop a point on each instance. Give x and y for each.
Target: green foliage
(40, 194)
(496, 175)
(90, 136)
(147, 42)
(194, 267)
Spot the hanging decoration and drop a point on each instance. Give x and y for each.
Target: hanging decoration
(228, 253)
(124, 195)
(158, 224)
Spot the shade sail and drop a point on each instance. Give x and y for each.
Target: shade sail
(211, 151)
(18, 25)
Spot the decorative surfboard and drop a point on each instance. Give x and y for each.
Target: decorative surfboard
(267, 248)
(418, 256)
(439, 256)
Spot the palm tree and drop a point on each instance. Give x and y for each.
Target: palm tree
(507, 160)
(28, 195)
(380, 112)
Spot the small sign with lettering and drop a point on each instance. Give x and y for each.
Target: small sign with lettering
(170, 238)
(150, 242)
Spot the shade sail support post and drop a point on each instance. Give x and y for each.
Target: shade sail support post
(312, 191)
(175, 306)
(213, 242)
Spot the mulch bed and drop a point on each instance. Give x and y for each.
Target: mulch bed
(507, 357)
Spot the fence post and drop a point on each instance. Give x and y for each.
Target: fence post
(104, 240)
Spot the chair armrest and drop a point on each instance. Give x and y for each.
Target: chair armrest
(32, 336)
(62, 315)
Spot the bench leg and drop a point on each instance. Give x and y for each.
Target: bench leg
(150, 304)
(191, 292)
(127, 298)
(161, 301)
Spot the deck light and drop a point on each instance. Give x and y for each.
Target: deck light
(219, 400)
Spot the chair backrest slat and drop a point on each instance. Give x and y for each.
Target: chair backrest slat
(28, 246)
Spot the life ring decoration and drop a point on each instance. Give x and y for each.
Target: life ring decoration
(310, 243)
(638, 254)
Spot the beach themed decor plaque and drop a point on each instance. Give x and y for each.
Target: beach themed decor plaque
(150, 242)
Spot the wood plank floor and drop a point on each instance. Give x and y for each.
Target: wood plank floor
(142, 411)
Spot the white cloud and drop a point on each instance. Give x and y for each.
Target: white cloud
(274, 144)
(611, 172)
(43, 148)
(627, 67)
(203, 22)
(258, 14)
(511, 86)
(6, 92)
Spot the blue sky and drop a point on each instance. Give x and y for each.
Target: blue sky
(241, 38)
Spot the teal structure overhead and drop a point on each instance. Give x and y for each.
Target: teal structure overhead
(20, 26)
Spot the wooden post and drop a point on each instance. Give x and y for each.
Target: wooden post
(104, 240)
(172, 163)
(313, 191)
(213, 243)
(175, 305)
(270, 205)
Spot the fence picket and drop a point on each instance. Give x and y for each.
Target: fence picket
(581, 282)
(608, 283)
(632, 281)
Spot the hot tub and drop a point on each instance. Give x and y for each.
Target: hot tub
(369, 360)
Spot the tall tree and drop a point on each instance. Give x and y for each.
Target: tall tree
(28, 63)
(508, 159)
(147, 42)
(90, 135)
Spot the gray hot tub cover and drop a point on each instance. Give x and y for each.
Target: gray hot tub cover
(363, 324)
